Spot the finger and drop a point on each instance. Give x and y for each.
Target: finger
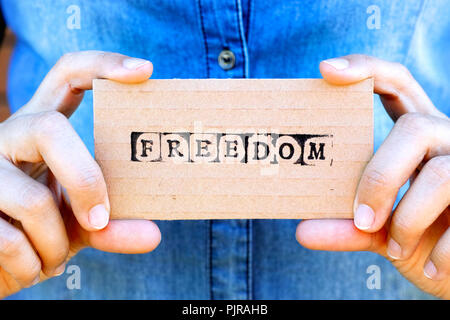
(399, 91)
(338, 235)
(30, 202)
(422, 204)
(63, 87)
(17, 256)
(124, 236)
(414, 138)
(49, 137)
(437, 266)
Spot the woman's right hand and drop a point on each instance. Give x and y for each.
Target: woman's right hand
(42, 159)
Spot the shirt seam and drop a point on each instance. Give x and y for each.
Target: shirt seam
(210, 260)
(249, 259)
(205, 39)
(247, 27)
(242, 39)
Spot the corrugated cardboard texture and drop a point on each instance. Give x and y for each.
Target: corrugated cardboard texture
(232, 148)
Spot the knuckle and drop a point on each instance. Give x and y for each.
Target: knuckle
(89, 179)
(33, 270)
(414, 123)
(70, 58)
(403, 77)
(439, 168)
(61, 252)
(49, 124)
(403, 70)
(375, 179)
(65, 59)
(35, 199)
(11, 243)
(59, 255)
(100, 55)
(403, 228)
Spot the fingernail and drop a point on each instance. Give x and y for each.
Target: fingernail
(394, 250)
(338, 63)
(60, 270)
(364, 217)
(98, 217)
(134, 63)
(430, 270)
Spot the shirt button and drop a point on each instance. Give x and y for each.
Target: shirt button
(226, 59)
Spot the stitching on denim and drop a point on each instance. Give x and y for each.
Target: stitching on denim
(247, 26)
(250, 17)
(211, 293)
(238, 18)
(249, 259)
(242, 37)
(205, 40)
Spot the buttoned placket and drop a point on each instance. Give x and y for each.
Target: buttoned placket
(226, 56)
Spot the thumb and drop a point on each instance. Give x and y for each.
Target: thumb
(63, 87)
(119, 236)
(123, 236)
(399, 91)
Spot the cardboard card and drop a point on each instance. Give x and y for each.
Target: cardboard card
(232, 148)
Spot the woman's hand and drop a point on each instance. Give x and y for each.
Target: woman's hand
(416, 237)
(41, 160)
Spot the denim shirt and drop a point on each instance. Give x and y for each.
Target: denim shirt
(229, 259)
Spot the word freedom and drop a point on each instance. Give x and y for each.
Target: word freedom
(229, 147)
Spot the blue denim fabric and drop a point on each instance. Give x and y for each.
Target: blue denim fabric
(236, 259)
